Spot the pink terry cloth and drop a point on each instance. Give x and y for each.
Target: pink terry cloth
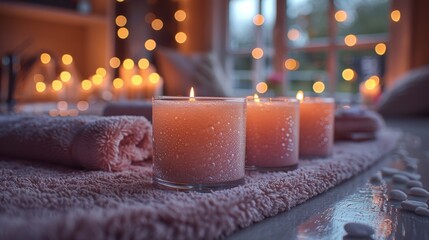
(90, 142)
(50, 202)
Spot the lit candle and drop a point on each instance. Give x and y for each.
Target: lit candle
(199, 142)
(272, 133)
(316, 130)
(370, 91)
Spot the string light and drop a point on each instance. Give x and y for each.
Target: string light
(348, 74)
(180, 15)
(128, 64)
(114, 62)
(395, 15)
(118, 83)
(341, 16)
(86, 85)
(150, 44)
(123, 33)
(257, 53)
(121, 20)
(40, 87)
(261, 87)
(291, 64)
(258, 20)
(65, 76)
(67, 59)
(45, 58)
(350, 40)
(143, 63)
(97, 79)
(101, 71)
(380, 49)
(57, 85)
(318, 87)
(181, 37)
(157, 24)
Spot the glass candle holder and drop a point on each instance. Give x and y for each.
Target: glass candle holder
(272, 134)
(199, 142)
(316, 131)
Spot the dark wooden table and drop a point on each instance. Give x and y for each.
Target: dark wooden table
(356, 200)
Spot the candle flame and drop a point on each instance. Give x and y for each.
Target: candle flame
(256, 98)
(192, 94)
(300, 95)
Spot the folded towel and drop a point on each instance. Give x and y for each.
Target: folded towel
(134, 108)
(357, 124)
(91, 142)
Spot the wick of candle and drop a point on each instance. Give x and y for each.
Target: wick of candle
(300, 96)
(192, 95)
(256, 98)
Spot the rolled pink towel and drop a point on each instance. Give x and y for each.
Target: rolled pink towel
(357, 124)
(91, 142)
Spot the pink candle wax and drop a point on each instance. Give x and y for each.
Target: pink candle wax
(316, 137)
(199, 143)
(272, 134)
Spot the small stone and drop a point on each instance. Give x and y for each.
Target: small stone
(387, 171)
(411, 205)
(412, 176)
(358, 230)
(422, 211)
(398, 178)
(414, 183)
(397, 195)
(418, 191)
(376, 178)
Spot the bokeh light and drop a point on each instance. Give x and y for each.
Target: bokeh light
(157, 24)
(65, 76)
(181, 37)
(180, 15)
(128, 64)
(257, 53)
(123, 33)
(136, 80)
(291, 64)
(82, 105)
(143, 63)
(45, 58)
(318, 87)
(97, 79)
(261, 87)
(114, 62)
(150, 44)
(341, 16)
(258, 20)
(293, 34)
(57, 85)
(395, 15)
(154, 78)
(348, 74)
(67, 59)
(118, 83)
(350, 40)
(86, 85)
(40, 87)
(101, 71)
(380, 49)
(121, 20)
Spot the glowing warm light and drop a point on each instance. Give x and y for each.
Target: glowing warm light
(257, 53)
(65, 76)
(157, 24)
(97, 79)
(114, 62)
(86, 84)
(154, 78)
(261, 87)
(57, 85)
(150, 44)
(62, 105)
(192, 95)
(180, 15)
(256, 98)
(40, 87)
(341, 16)
(149, 17)
(300, 95)
(128, 64)
(101, 71)
(82, 105)
(348, 74)
(291, 64)
(45, 58)
(38, 77)
(350, 40)
(120, 1)
(136, 80)
(143, 63)
(370, 83)
(395, 15)
(121, 20)
(293, 34)
(118, 83)
(380, 49)
(258, 20)
(318, 87)
(181, 37)
(67, 59)
(123, 33)
(375, 78)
